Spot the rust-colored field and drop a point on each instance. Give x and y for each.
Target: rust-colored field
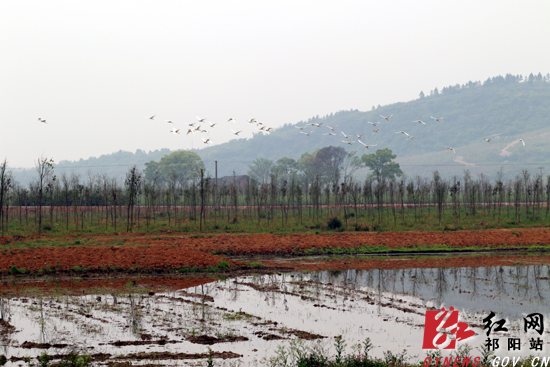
(161, 253)
(177, 250)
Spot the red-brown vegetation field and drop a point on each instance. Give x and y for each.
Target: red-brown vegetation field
(169, 250)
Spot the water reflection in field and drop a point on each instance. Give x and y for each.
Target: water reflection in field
(250, 316)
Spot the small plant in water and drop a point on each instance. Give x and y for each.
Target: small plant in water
(398, 358)
(367, 347)
(75, 358)
(340, 346)
(210, 359)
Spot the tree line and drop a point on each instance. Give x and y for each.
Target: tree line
(308, 192)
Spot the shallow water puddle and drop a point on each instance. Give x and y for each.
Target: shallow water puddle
(249, 317)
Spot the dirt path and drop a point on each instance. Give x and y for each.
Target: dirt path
(504, 152)
(461, 160)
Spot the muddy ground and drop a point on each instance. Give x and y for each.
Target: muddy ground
(143, 262)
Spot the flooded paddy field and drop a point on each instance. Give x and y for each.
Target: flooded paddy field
(246, 318)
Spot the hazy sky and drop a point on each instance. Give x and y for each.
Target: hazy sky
(96, 69)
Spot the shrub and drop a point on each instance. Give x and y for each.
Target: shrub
(362, 227)
(334, 223)
(224, 265)
(450, 227)
(75, 359)
(15, 270)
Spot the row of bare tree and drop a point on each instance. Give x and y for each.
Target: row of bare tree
(73, 202)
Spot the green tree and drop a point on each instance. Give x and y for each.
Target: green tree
(284, 168)
(381, 163)
(5, 185)
(307, 165)
(44, 167)
(182, 164)
(260, 169)
(330, 161)
(152, 171)
(133, 186)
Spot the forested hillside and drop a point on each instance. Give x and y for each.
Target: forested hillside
(502, 109)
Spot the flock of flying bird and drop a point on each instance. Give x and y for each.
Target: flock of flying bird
(202, 121)
(367, 146)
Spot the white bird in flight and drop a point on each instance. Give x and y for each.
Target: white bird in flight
(236, 132)
(436, 118)
(367, 146)
(375, 131)
(522, 141)
(200, 120)
(252, 120)
(332, 128)
(231, 119)
(345, 136)
(190, 131)
(411, 137)
(170, 121)
(175, 131)
(348, 142)
(42, 120)
(206, 141)
(198, 128)
(374, 123)
(360, 136)
(269, 129)
(212, 124)
(329, 133)
(420, 121)
(301, 128)
(193, 124)
(401, 132)
(487, 140)
(446, 150)
(152, 117)
(387, 117)
(301, 132)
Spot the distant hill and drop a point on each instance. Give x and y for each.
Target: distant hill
(113, 165)
(503, 109)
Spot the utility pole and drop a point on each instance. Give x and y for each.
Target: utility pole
(216, 188)
(202, 198)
